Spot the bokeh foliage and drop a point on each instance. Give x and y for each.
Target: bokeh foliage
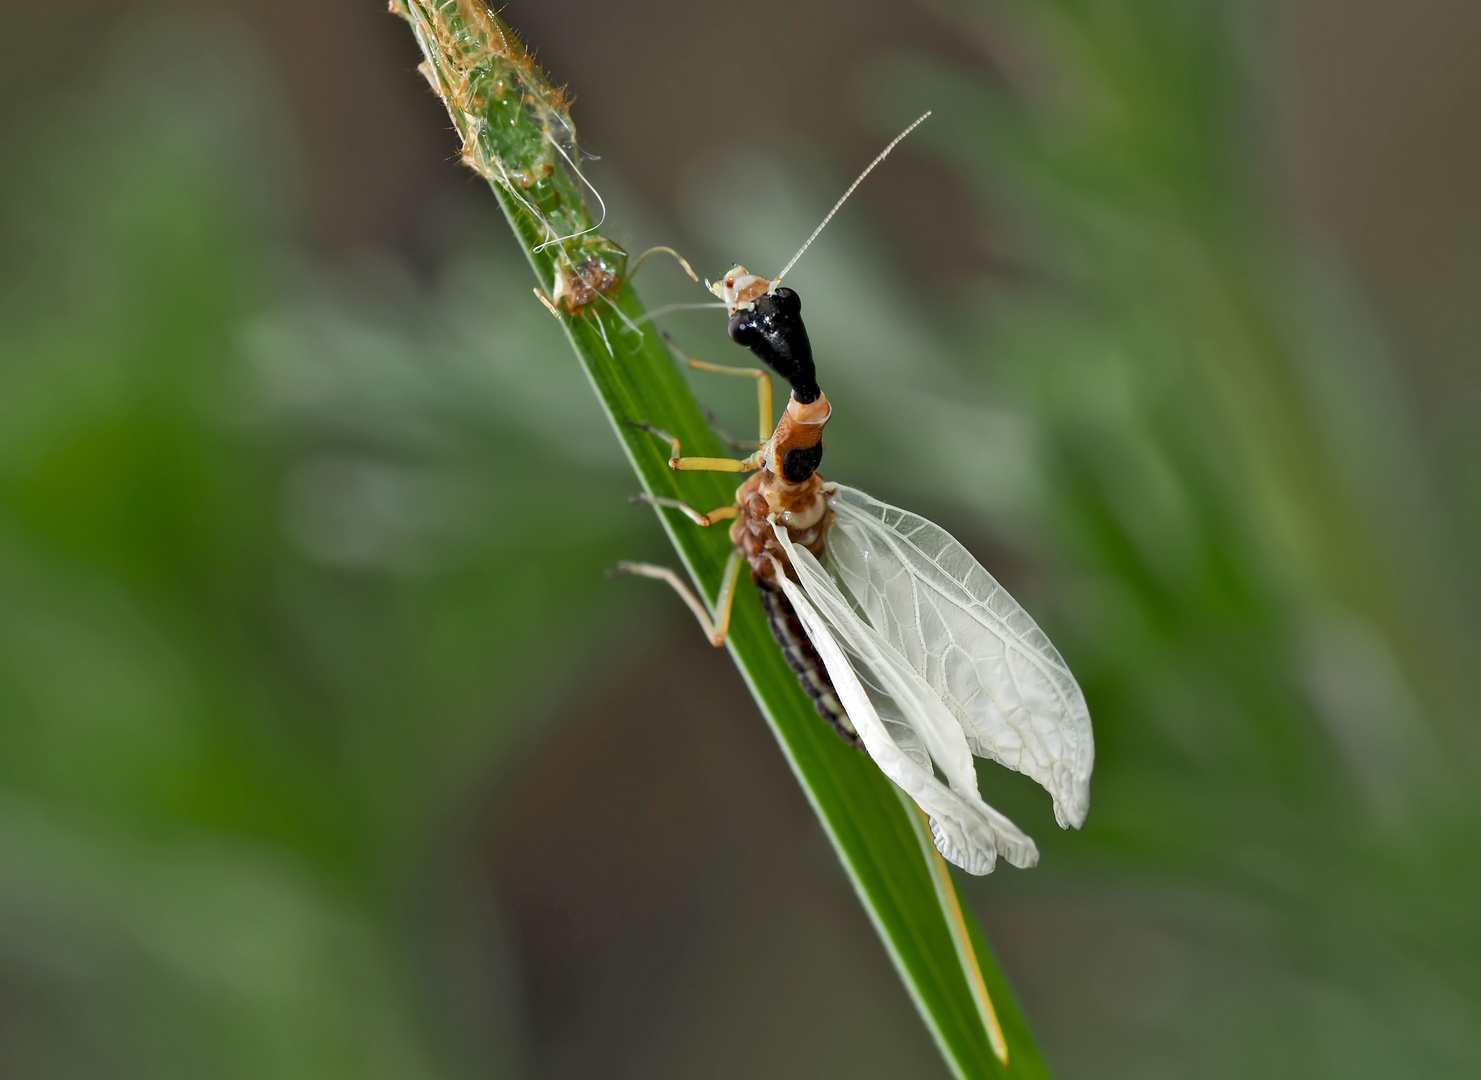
(1244, 549)
(1178, 417)
(267, 618)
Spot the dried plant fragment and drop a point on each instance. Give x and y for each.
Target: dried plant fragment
(517, 133)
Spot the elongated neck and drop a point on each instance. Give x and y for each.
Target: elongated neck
(796, 447)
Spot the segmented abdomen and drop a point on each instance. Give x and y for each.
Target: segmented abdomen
(805, 661)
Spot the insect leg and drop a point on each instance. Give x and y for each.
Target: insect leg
(706, 520)
(762, 377)
(699, 464)
(726, 600)
(641, 259)
(715, 629)
(727, 438)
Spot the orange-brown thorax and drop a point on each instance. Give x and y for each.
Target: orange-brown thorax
(801, 508)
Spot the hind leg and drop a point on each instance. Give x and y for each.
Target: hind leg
(715, 629)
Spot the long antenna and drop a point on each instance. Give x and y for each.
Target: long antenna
(656, 312)
(882, 155)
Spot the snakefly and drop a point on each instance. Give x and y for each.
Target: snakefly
(906, 645)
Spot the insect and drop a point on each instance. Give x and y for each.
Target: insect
(906, 645)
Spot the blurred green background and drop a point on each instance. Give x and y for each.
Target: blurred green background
(326, 748)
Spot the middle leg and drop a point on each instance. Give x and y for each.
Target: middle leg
(720, 513)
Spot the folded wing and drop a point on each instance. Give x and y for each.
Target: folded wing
(991, 666)
(902, 722)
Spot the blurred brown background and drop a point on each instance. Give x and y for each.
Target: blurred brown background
(1374, 101)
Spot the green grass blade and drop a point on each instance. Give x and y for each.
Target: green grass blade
(517, 133)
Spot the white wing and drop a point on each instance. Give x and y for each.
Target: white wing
(903, 724)
(992, 667)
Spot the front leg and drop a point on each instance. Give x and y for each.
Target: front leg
(763, 382)
(702, 464)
